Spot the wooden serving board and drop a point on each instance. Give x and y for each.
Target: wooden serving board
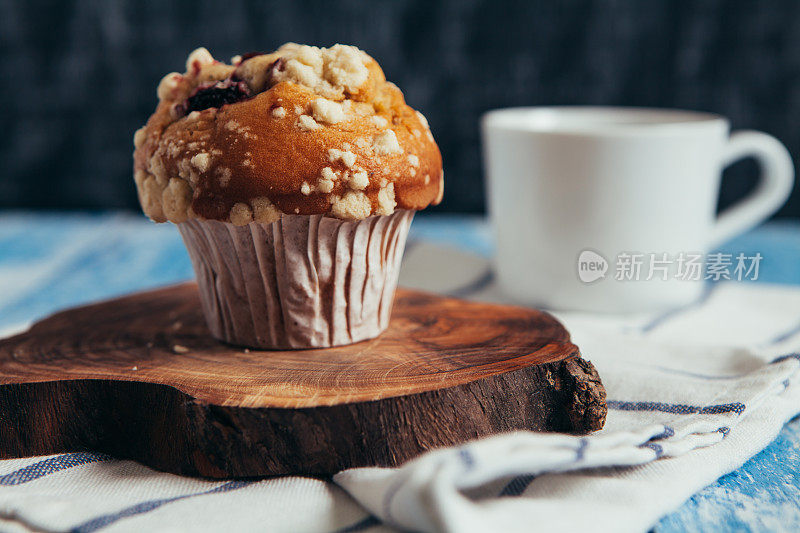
(140, 377)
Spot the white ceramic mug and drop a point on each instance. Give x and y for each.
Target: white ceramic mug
(607, 184)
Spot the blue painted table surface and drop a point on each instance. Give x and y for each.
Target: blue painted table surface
(53, 260)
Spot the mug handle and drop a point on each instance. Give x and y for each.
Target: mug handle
(773, 189)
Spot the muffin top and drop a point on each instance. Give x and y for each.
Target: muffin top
(302, 130)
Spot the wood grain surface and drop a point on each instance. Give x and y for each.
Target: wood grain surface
(140, 377)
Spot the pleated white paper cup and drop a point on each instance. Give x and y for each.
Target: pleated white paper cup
(304, 281)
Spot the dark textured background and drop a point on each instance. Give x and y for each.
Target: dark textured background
(79, 77)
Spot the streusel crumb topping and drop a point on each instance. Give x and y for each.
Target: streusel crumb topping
(303, 129)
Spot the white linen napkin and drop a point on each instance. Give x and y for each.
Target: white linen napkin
(693, 394)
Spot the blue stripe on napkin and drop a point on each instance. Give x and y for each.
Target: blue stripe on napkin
(786, 358)
(151, 505)
(677, 408)
(667, 433)
(655, 447)
(50, 466)
(672, 313)
(786, 335)
(466, 458)
(517, 486)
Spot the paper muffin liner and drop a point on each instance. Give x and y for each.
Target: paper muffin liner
(304, 281)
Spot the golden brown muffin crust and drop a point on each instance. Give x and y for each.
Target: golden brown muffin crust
(315, 131)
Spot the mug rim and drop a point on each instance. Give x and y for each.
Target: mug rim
(598, 121)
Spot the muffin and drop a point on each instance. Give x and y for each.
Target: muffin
(293, 177)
